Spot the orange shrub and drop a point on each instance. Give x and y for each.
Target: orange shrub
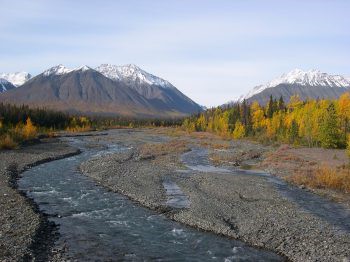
(324, 177)
(29, 131)
(77, 129)
(6, 142)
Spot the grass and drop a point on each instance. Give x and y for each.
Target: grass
(78, 129)
(214, 145)
(324, 178)
(154, 150)
(6, 142)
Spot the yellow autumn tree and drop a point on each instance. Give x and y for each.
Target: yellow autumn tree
(343, 109)
(189, 125)
(274, 126)
(324, 122)
(308, 122)
(29, 129)
(294, 102)
(258, 117)
(239, 130)
(201, 124)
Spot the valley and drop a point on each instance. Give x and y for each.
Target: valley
(174, 176)
(175, 131)
(118, 163)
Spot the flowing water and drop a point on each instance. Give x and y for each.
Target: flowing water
(98, 225)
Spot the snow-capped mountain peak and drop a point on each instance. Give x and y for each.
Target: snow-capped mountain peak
(61, 70)
(82, 68)
(313, 78)
(131, 72)
(57, 70)
(17, 79)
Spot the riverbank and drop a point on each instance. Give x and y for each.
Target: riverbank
(244, 206)
(294, 165)
(239, 204)
(297, 165)
(25, 233)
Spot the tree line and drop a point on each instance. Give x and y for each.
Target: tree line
(21, 123)
(320, 122)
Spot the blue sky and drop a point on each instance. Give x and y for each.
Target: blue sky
(213, 51)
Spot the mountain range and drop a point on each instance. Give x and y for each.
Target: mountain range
(17, 79)
(106, 90)
(132, 92)
(312, 84)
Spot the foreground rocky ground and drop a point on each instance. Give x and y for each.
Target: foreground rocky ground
(242, 206)
(25, 234)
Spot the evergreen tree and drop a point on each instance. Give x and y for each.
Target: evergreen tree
(270, 108)
(281, 105)
(329, 131)
(293, 132)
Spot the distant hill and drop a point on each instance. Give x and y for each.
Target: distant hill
(307, 84)
(109, 90)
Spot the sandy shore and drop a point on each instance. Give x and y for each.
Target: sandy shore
(245, 207)
(25, 233)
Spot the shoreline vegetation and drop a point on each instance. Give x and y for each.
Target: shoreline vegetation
(320, 123)
(22, 124)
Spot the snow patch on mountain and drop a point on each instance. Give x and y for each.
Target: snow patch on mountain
(83, 68)
(3, 83)
(61, 70)
(17, 78)
(132, 73)
(57, 70)
(311, 78)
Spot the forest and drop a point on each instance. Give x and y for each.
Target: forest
(313, 123)
(22, 123)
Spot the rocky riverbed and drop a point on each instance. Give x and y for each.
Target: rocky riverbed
(24, 231)
(239, 204)
(192, 180)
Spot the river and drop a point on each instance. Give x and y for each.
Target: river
(98, 225)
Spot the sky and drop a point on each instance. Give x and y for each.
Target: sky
(213, 51)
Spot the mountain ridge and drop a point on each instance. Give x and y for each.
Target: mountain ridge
(86, 90)
(5, 85)
(307, 84)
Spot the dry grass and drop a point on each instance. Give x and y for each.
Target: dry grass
(6, 142)
(78, 129)
(324, 178)
(219, 159)
(214, 145)
(234, 157)
(205, 139)
(154, 150)
(169, 131)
